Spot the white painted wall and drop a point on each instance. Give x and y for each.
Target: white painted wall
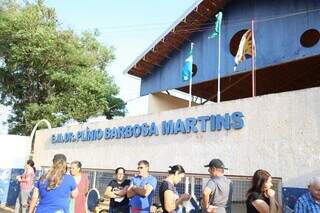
(281, 134)
(14, 151)
(159, 102)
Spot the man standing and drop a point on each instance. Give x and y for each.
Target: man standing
(142, 188)
(310, 201)
(216, 196)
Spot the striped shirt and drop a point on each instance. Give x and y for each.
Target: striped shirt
(306, 204)
(26, 182)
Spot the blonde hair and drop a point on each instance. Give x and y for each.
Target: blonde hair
(55, 174)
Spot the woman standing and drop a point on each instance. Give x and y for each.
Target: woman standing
(169, 197)
(260, 197)
(82, 182)
(117, 192)
(54, 189)
(26, 186)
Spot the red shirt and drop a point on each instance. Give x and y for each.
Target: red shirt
(80, 201)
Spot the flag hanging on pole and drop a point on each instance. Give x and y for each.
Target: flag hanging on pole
(246, 48)
(187, 66)
(217, 26)
(217, 32)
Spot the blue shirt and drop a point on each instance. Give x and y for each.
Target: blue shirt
(306, 204)
(55, 199)
(140, 202)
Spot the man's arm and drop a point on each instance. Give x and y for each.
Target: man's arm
(130, 192)
(205, 197)
(300, 207)
(143, 191)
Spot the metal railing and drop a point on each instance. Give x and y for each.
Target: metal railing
(192, 184)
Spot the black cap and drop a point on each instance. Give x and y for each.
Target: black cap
(59, 157)
(216, 163)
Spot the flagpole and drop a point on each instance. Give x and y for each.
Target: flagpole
(253, 61)
(190, 90)
(219, 64)
(190, 77)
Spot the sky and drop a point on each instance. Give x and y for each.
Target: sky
(129, 26)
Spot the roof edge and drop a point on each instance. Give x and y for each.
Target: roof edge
(172, 26)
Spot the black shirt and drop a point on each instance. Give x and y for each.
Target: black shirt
(115, 202)
(165, 185)
(255, 196)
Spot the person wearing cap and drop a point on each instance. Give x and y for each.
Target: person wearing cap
(216, 196)
(310, 201)
(54, 189)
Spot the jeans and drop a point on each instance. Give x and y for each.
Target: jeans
(22, 202)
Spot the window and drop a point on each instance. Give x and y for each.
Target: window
(194, 69)
(309, 38)
(235, 41)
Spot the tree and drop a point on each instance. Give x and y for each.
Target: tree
(47, 72)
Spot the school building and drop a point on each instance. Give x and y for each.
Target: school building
(277, 130)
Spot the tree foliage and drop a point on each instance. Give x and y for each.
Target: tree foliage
(47, 72)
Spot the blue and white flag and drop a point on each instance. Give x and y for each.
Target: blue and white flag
(187, 66)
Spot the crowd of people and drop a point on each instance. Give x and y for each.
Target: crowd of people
(57, 191)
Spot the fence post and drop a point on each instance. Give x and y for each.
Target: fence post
(94, 179)
(192, 185)
(186, 185)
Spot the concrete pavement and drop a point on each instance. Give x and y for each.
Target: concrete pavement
(4, 209)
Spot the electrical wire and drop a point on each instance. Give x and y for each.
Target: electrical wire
(203, 27)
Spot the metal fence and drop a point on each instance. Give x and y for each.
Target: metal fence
(192, 184)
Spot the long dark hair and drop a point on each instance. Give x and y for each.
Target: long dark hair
(55, 174)
(259, 178)
(176, 168)
(31, 163)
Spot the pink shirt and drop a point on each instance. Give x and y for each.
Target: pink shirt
(26, 182)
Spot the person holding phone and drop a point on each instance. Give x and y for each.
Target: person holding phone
(261, 196)
(169, 198)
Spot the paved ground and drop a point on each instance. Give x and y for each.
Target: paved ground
(5, 210)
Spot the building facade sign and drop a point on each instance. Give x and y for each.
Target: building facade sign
(206, 123)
